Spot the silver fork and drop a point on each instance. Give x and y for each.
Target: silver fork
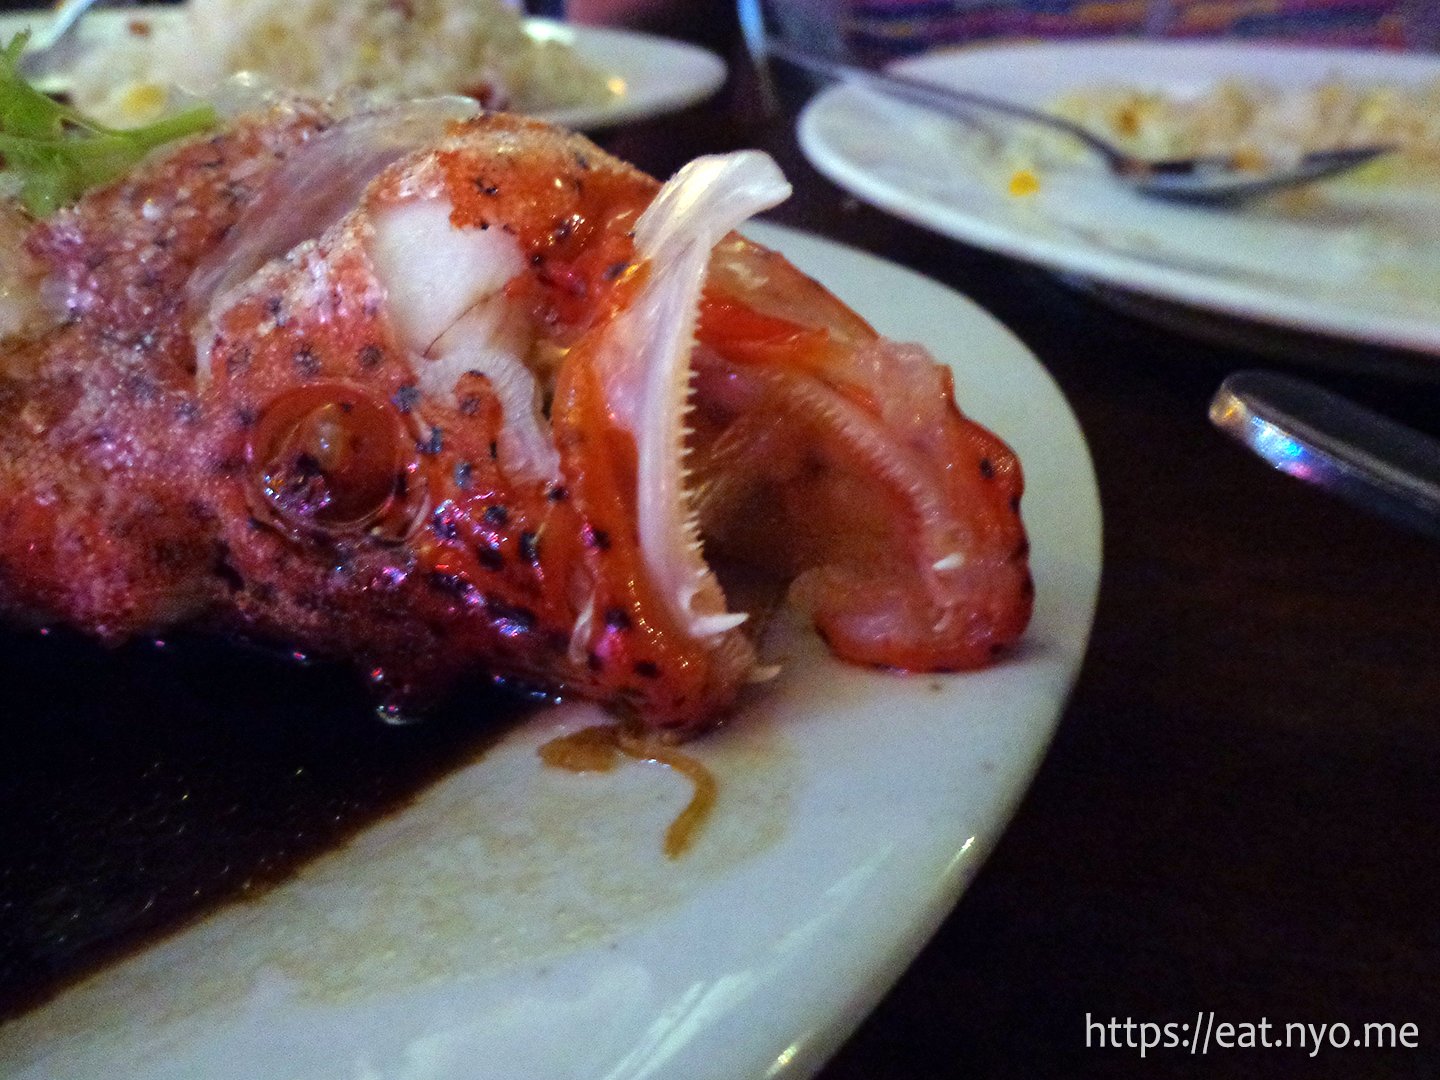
(1213, 180)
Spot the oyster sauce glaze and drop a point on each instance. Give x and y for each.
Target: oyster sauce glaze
(145, 786)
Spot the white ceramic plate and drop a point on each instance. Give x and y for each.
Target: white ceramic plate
(658, 75)
(1356, 262)
(519, 922)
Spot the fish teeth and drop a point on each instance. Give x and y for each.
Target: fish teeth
(764, 673)
(714, 625)
(676, 234)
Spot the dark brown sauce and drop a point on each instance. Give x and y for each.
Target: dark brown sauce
(143, 787)
(598, 749)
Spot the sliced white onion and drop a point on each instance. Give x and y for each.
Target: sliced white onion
(434, 272)
(484, 342)
(319, 183)
(443, 297)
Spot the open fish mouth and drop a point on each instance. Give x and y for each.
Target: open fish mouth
(644, 360)
(495, 400)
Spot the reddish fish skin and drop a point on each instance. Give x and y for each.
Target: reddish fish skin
(498, 568)
(815, 428)
(134, 497)
(102, 453)
(130, 501)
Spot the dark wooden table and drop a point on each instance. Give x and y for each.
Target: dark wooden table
(1239, 812)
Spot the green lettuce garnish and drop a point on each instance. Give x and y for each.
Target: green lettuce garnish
(56, 154)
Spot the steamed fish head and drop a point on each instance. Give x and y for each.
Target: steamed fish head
(452, 426)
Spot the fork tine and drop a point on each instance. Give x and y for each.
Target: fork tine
(1324, 162)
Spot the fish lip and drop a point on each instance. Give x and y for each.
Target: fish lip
(649, 371)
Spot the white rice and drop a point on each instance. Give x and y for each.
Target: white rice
(388, 48)
(1266, 124)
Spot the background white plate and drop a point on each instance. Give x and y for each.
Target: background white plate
(1357, 263)
(518, 922)
(660, 75)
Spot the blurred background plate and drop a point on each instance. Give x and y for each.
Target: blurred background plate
(1269, 340)
(660, 75)
(1352, 261)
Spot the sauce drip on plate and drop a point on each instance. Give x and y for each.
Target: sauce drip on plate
(598, 749)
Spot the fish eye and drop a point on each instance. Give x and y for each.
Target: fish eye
(332, 457)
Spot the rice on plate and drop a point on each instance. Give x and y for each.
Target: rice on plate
(1267, 125)
(388, 48)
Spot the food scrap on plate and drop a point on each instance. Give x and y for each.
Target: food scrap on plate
(1259, 125)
